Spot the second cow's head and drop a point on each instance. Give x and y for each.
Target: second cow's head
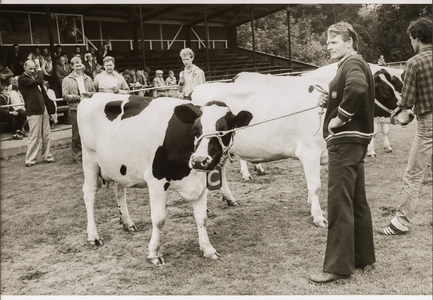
(210, 126)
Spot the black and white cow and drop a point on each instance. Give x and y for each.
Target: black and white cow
(298, 136)
(136, 143)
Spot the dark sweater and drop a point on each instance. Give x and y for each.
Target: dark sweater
(351, 98)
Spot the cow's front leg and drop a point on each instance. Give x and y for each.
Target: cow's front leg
(200, 216)
(311, 164)
(158, 198)
(370, 148)
(225, 190)
(384, 128)
(124, 218)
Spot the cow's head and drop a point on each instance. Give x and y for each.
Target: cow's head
(387, 92)
(210, 126)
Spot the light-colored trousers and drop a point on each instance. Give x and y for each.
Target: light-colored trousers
(39, 134)
(420, 157)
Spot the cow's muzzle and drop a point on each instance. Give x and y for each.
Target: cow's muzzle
(200, 162)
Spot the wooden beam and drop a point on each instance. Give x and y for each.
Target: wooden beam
(214, 15)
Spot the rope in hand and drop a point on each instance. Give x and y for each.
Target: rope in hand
(321, 112)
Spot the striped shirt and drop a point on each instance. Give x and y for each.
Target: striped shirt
(418, 82)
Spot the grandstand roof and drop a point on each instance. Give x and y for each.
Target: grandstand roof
(226, 15)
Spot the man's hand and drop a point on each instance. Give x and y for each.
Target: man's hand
(323, 100)
(335, 123)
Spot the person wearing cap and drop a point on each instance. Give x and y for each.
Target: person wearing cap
(75, 87)
(191, 76)
(158, 82)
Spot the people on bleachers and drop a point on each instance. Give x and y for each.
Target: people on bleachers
(35, 55)
(171, 79)
(16, 98)
(110, 81)
(15, 60)
(142, 82)
(5, 75)
(97, 71)
(58, 53)
(47, 68)
(89, 64)
(76, 52)
(158, 81)
(8, 114)
(75, 87)
(191, 76)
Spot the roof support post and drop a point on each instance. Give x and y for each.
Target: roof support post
(288, 9)
(143, 51)
(52, 50)
(206, 34)
(253, 36)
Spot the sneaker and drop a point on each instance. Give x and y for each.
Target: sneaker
(17, 137)
(392, 230)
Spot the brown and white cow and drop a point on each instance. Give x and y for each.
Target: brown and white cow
(136, 143)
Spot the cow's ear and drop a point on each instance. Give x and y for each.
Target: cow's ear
(187, 113)
(243, 118)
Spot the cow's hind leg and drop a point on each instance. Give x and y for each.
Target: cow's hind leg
(225, 190)
(91, 184)
(158, 198)
(311, 163)
(125, 219)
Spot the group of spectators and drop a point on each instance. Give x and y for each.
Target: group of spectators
(79, 76)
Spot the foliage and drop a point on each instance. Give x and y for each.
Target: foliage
(381, 30)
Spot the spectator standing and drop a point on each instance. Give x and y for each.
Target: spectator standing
(15, 60)
(5, 75)
(8, 113)
(97, 71)
(142, 82)
(418, 93)
(159, 82)
(75, 87)
(381, 61)
(38, 107)
(191, 76)
(109, 81)
(105, 51)
(62, 70)
(347, 129)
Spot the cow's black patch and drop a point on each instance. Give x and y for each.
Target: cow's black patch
(113, 109)
(123, 170)
(171, 159)
(135, 106)
(166, 186)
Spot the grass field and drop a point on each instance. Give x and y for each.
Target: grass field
(268, 243)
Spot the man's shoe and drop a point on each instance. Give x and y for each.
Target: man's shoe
(17, 137)
(29, 165)
(49, 161)
(365, 268)
(392, 230)
(325, 277)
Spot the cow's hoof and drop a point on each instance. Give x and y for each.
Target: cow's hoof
(230, 202)
(130, 228)
(157, 261)
(259, 171)
(96, 242)
(247, 178)
(321, 223)
(371, 155)
(214, 256)
(387, 149)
